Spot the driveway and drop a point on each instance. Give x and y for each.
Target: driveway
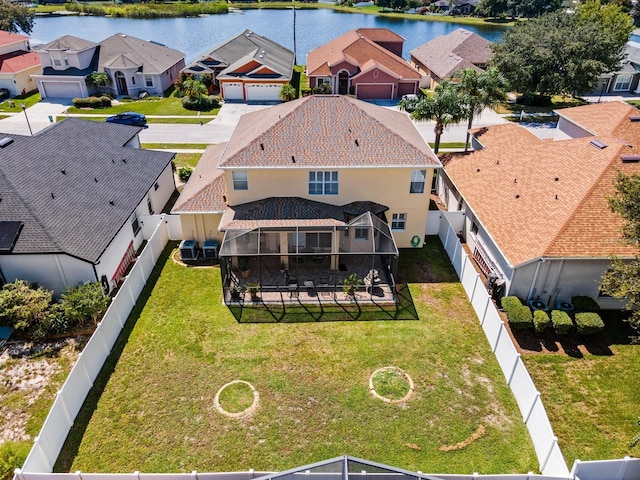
(37, 116)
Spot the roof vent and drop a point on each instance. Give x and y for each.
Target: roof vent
(357, 144)
(634, 118)
(630, 158)
(95, 179)
(293, 159)
(53, 197)
(262, 146)
(556, 179)
(111, 202)
(6, 141)
(517, 196)
(64, 172)
(598, 144)
(124, 160)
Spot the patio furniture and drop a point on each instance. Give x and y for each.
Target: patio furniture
(310, 286)
(292, 285)
(371, 280)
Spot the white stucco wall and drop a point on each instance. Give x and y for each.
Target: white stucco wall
(571, 129)
(15, 46)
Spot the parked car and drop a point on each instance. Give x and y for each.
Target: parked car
(4, 94)
(128, 118)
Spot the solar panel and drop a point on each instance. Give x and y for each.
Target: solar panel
(9, 233)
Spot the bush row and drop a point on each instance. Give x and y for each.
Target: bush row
(92, 102)
(201, 104)
(520, 317)
(32, 312)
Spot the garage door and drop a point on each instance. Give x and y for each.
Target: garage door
(62, 89)
(263, 93)
(376, 91)
(232, 91)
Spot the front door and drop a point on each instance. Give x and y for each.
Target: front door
(121, 83)
(343, 83)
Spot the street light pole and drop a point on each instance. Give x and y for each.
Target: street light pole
(24, 109)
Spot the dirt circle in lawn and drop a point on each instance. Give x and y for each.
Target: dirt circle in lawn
(391, 385)
(236, 399)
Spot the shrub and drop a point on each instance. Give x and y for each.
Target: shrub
(519, 315)
(82, 305)
(588, 323)
(80, 102)
(201, 104)
(106, 101)
(561, 321)
(541, 320)
(534, 100)
(25, 307)
(95, 102)
(12, 456)
(184, 173)
(584, 303)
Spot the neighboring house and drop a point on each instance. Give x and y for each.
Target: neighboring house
(17, 63)
(133, 66)
(440, 58)
(70, 197)
(326, 182)
(461, 7)
(537, 214)
(627, 78)
(366, 62)
(248, 67)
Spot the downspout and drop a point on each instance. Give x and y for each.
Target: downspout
(535, 277)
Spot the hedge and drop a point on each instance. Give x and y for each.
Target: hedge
(518, 314)
(561, 321)
(201, 104)
(589, 323)
(583, 303)
(92, 102)
(541, 320)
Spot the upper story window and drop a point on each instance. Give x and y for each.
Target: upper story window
(135, 224)
(399, 221)
(361, 234)
(323, 183)
(623, 83)
(417, 181)
(148, 81)
(240, 180)
(149, 205)
(59, 59)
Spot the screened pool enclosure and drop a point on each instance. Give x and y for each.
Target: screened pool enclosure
(300, 261)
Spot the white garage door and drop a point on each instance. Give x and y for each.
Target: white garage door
(232, 91)
(62, 89)
(262, 92)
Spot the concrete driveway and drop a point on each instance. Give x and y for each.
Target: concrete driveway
(37, 115)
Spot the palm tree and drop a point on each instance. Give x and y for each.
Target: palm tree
(194, 88)
(288, 92)
(445, 107)
(98, 79)
(481, 90)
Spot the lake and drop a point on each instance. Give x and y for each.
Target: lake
(194, 36)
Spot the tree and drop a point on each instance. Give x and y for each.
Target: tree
(15, 18)
(288, 92)
(446, 107)
(480, 90)
(194, 88)
(98, 79)
(623, 280)
(83, 304)
(557, 52)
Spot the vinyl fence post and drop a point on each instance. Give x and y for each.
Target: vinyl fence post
(495, 347)
(63, 404)
(533, 404)
(554, 442)
(513, 370)
(623, 468)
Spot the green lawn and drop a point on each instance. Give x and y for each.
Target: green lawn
(172, 120)
(153, 106)
(152, 407)
(166, 146)
(556, 103)
(29, 99)
(187, 159)
(592, 398)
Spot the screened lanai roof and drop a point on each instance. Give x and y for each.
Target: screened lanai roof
(347, 468)
(373, 237)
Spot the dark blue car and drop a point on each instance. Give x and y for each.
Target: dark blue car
(128, 118)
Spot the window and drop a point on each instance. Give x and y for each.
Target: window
(240, 180)
(474, 227)
(148, 81)
(399, 221)
(323, 183)
(322, 80)
(58, 58)
(417, 181)
(623, 83)
(149, 206)
(135, 224)
(361, 234)
(133, 80)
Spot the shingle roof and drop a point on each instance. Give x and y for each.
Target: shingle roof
(15, 62)
(205, 190)
(67, 42)
(7, 37)
(358, 49)
(153, 57)
(446, 54)
(326, 131)
(60, 183)
(548, 198)
(247, 45)
(380, 34)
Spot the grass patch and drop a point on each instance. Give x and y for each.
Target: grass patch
(390, 384)
(592, 399)
(187, 159)
(236, 397)
(168, 146)
(29, 99)
(445, 145)
(301, 79)
(151, 409)
(146, 106)
(557, 102)
(183, 120)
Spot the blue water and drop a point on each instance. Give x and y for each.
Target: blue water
(193, 36)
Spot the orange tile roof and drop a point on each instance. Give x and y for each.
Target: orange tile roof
(359, 49)
(326, 131)
(549, 198)
(15, 62)
(8, 37)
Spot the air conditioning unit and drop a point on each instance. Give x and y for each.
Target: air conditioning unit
(188, 250)
(210, 249)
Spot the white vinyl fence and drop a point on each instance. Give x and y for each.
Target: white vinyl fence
(71, 396)
(624, 469)
(528, 398)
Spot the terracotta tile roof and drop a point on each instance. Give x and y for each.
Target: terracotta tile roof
(548, 198)
(358, 49)
(15, 62)
(7, 37)
(446, 54)
(205, 190)
(326, 131)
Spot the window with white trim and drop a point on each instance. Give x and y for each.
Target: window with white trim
(398, 221)
(58, 59)
(361, 234)
(322, 80)
(149, 206)
(148, 81)
(323, 183)
(623, 83)
(240, 180)
(417, 181)
(135, 224)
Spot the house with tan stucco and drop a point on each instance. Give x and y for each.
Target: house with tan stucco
(17, 63)
(536, 211)
(322, 187)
